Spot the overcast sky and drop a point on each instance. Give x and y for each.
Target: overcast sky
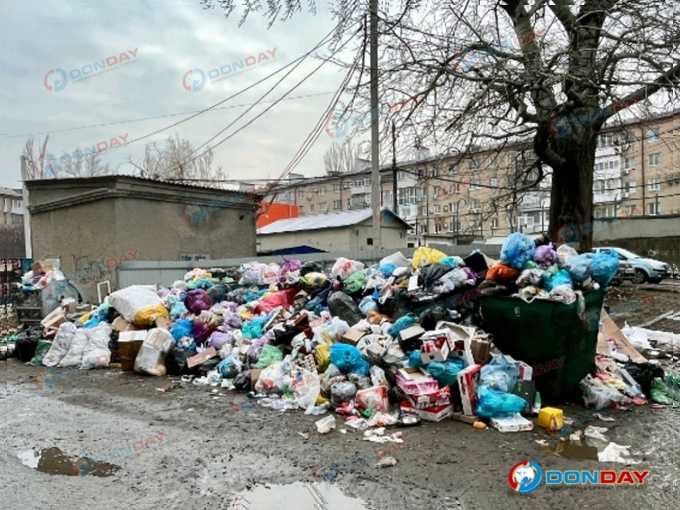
(148, 47)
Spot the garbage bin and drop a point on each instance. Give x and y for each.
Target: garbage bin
(551, 337)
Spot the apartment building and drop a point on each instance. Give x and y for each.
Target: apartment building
(11, 207)
(488, 192)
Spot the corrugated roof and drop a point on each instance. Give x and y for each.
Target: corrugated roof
(9, 191)
(320, 221)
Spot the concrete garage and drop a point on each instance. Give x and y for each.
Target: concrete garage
(95, 224)
(344, 232)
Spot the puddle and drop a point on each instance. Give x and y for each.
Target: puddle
(298, 495)
(55, 462)
(574, 450)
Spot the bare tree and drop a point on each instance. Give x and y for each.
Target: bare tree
(44, 165)
(552, 72)
(176, 160)
(341, 158)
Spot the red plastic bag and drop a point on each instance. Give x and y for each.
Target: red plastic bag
(283, 298)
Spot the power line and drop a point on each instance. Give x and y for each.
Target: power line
(153, 117)
(248, 123)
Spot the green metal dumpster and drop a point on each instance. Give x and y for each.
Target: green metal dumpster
(551, 337)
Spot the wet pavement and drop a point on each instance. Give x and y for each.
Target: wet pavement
(190, 448)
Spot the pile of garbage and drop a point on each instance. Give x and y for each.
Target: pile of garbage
(396, 342)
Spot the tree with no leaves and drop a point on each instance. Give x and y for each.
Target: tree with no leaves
(341, 158)
(489, 71)
(175, 160)
(44, 165)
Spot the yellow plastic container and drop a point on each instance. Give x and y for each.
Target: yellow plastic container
(551, 418)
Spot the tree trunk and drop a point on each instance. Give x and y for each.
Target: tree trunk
(570, 151)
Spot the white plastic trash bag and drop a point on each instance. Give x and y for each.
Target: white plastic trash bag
(130, 300)
(74, 356)
(97, 353)
(60, 345)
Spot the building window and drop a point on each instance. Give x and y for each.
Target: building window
(653, 134)
(337, 204)
(493, 182)
(653, 208)
(599, 186)
(369, 241)
(654, 185)
(627, 163)
(494, 222)
(655, 159)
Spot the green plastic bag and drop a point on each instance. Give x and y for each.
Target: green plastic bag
(355, 282)
(40, 351)
(268, 356)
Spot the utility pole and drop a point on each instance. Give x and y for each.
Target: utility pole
(395, 202)
(375, 142)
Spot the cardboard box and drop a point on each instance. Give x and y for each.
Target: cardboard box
(201, 357)
(526, 373)
(54, 318)
(514, 423)
(437, 413)
(481, 350)
(442, 397)
(467, 385)
(132, 336)
(436, 346)
(409, 338)
(119, 324)
(353, 335)
(414, 381)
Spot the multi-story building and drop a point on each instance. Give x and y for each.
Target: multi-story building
(11, 207)
(489, 192)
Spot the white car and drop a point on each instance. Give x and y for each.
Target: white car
(646, 270)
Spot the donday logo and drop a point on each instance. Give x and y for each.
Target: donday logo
(525, 477)
(193, 80)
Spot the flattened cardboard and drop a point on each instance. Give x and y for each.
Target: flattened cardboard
(201, 357)
(610, 331)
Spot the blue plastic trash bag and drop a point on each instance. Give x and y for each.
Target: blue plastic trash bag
(517, 249)
(580, 267)
(99, 316)
(229, 367)
(604, 267)
(255, 328)
(415, 360)
(445, 372)
(452, 261)
(254, 295)
(401, 323)
(493, 403)
(500, 373)
(562, 277)
(348, 359)
(202, 283)
(178, 309)
(181, 328)
(387, 269)
(367, 304)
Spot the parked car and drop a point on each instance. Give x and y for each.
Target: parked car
(645, 269)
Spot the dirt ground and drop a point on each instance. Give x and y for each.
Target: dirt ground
(193, 448)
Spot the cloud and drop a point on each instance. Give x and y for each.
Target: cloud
(170, 38)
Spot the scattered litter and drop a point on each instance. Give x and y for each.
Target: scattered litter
(386, 462)
(325, 425)
(596, 433)
(616, 453)
(601, 417)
